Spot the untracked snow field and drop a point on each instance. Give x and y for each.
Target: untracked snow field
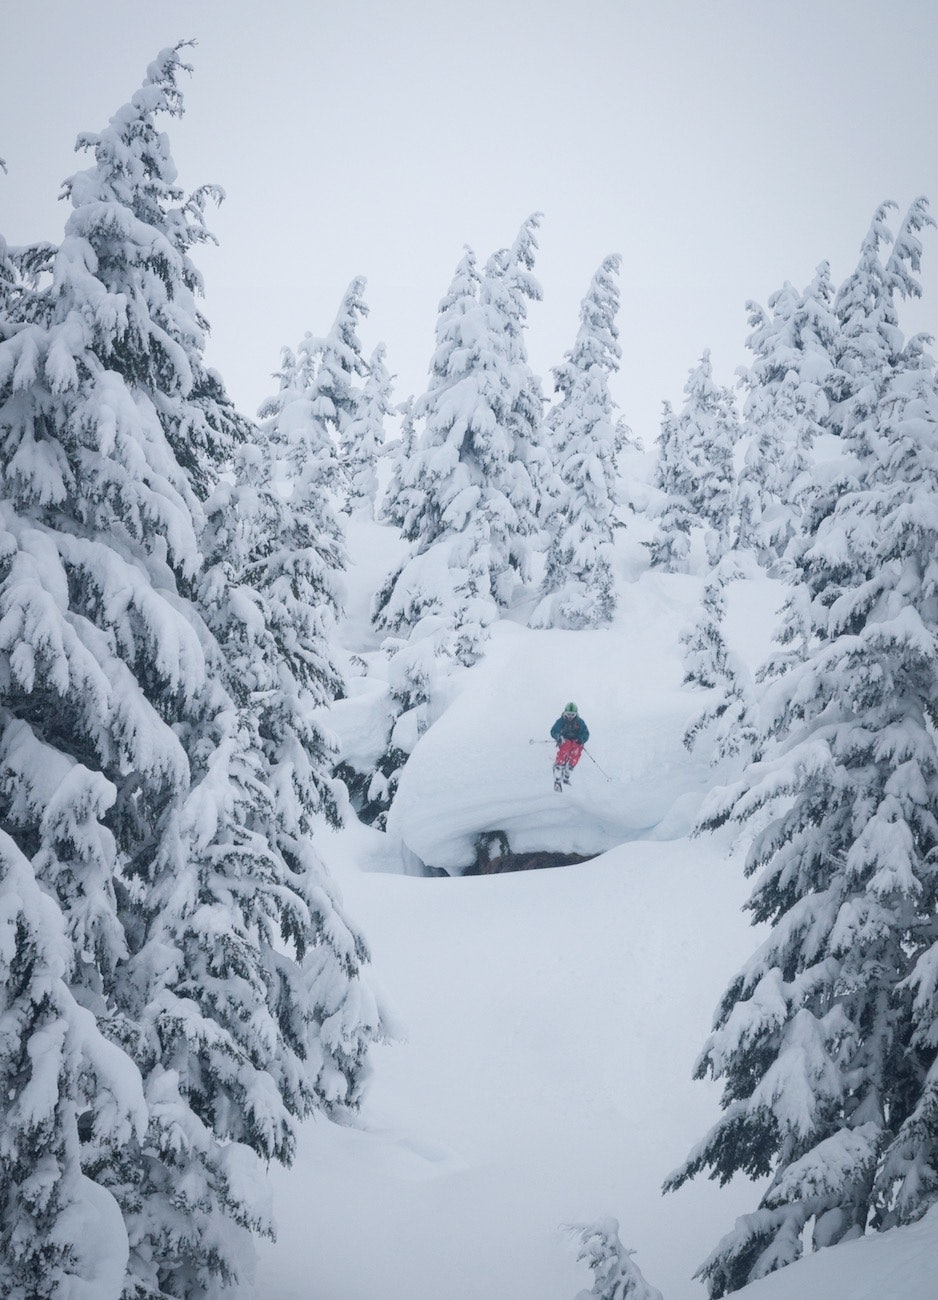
(549, 1022)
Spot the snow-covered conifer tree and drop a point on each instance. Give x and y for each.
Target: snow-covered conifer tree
(670, 545)
(133, 779)
(265, 585)
(789, 387)
(826, 1038)
(695, 471)
(615, 1275)
(403, 498)
(324, 375)
(365, 433)
(8, 277)
(335, 369)
(17, 266)
(509, 284)
(295, 423)
(57, 1073)
(578, 588)
(708, 662)
(461, 490)
(469, 553)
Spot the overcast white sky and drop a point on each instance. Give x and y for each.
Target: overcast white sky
(721, 146)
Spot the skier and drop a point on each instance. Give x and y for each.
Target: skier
(570, 733)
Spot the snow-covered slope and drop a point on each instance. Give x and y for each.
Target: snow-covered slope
(486, 764)
(548, 1021)
(897, 1265)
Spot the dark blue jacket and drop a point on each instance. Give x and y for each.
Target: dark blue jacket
(570, 729)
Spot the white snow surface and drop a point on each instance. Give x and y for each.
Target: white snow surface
(549, 1024)
(897, 1265)
(98, 1226)
(486, 764)
(546, 1022)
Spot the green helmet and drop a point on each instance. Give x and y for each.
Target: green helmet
(570, 708)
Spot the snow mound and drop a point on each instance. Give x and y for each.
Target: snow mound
(897, 1265)
(486, 763)
(96, 1223)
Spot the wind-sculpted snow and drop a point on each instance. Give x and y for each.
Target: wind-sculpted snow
(476, 769)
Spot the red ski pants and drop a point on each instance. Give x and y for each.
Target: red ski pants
(568, 754)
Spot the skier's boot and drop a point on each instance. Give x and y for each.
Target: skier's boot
(566, 774)
(558, 778)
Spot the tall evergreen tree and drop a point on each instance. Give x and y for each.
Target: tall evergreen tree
(579, 588)
(335, 369)
(134, 780)
(295, 423)
(365, 434)
(57, 1073)
(509, 285)
(462, 492)
(268, 594)
(467, 558)
(671, 543)
(789, 391)
(421, 603)
(403, 499)
(695, 472)
(826, 1038)
(321, 388)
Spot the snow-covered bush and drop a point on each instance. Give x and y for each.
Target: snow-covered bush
(615, 1276)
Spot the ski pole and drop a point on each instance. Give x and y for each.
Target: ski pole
(593, 760)
(541, 742)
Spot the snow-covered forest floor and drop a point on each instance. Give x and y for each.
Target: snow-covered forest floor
(547, 1021)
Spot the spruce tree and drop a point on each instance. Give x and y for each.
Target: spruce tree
(726, 721)
(825, 1040)
(295, 424)
(789, 391)
(58, 1075)
(670, 547)
(134, 778)
(695, 472)
(579, 589)
(335, 369)
(365, 434)
(265, 579)
(462, 492)
(403, 499)
(477, 497)
(509, 285)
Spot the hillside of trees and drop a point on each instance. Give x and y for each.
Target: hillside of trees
(179, 985)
